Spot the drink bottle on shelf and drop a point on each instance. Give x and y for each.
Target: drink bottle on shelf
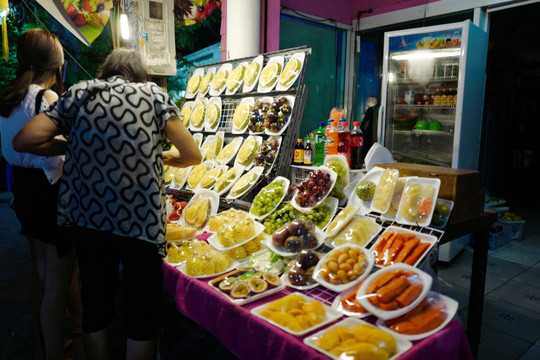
(308, 152)
(357, 146)
(298, 158)
(320, 139)
(344, 135)
(332, 138)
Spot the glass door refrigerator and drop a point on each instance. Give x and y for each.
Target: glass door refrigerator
(432, 94)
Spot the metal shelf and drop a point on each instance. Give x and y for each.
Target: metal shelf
(427, 107)
(420, 156)
(423, 80)
(423, 132)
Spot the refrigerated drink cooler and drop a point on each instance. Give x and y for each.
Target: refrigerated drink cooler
(432, 94)
(432, 98)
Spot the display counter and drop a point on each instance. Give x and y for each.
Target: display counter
(248, 337)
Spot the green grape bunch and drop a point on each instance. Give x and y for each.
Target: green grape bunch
(268, 198)
(283, 215)
(320, 215)
(341, 180)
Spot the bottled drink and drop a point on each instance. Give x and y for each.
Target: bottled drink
(326, 131)
(308, 152)
(298, 153)
(357, 146)
(332, 139)
(437, 99)
(320, 139)
(344, 135)
(444, 97)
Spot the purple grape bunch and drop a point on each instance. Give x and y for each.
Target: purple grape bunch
(313, 188)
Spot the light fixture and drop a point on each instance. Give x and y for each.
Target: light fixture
(124, 26)
(427, 54)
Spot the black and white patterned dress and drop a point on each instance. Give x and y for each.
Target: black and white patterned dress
(113, 168)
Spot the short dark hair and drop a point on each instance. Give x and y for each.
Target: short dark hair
(126, 63)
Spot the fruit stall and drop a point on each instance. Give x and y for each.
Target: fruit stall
(314, 263)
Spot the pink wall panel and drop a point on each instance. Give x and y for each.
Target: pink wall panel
(339, 10)
(385, 6)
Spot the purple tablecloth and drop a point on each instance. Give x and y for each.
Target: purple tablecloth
(248, 336)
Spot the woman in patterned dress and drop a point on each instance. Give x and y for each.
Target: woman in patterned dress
(112, 191)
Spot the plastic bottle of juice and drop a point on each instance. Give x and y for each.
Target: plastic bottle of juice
(332, 138)
(320, 140)
(357, 144)
(344, 136)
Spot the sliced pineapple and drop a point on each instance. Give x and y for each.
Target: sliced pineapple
(251, 73)
(247, 151)
(205, 83)
(197, 115)
(241, 116)
(193, 84)
(290, 71)
(243, 183)
(235, 79)
(269, 74)
(220, 80)
(225, 180)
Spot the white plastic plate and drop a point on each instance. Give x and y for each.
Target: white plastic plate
(198, 138)
(424, 238)
(248, 101)
(373, 175)
(182, 268)
(237, 141)
(259, 60)
(377, 229)
(281, 84)
(342, 287)
(231, 89)
(309, 286)
(258, 140)
(423, 182)
(269, 87)
(209, 194)
(362, 297)
(214, 240)
(402, 344)
(333, 177)
(217, 102)
(282, 130)
(192, 126)
(285, 186)
(209, 72)
(391, 214)
(341, 222)
(228, 187)
(451, 309)
(224, 67)
(331, 315)
(198, 72)
(336, 305)
(256, 170)
(380, 187)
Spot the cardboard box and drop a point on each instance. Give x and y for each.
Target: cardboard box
(459, 185)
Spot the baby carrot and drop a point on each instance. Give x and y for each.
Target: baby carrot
(406, 250)
(416, 253)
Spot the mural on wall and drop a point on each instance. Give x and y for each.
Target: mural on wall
(189, 12)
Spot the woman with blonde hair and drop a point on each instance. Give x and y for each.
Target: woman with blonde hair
(35, 187)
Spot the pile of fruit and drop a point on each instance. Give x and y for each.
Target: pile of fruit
(266, 153)
(268, 198)
(343, 265)
(283, 215)
(258, 114)
(300, 270)
(320, 215)
(299, 234)
(174, 209)
(277, 115)
(313, 188)
(342, 179)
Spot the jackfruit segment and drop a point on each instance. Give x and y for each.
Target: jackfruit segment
(270, 74)
(213, 114)
(241, 116)
(197, 115)
(210, 177)
(251, 73)
(227, 152)
(193, 84)
(218, 145)
(197, 214)
(235, 79)
(205, 83)
(243, 184)
(185, 113)
(220, 80)
(181, 175)
(290, 71)
(225, 180)
(196, 175)
(247, 151)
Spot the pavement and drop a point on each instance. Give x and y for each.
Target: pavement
(180, 337)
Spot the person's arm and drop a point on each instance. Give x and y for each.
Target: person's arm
(187, 152)
(38, 137)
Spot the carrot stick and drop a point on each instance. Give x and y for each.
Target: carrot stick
(406, 250)
(380, 259)
(382, 280)
(416, 253)
(409, 294)
(394, 250)
(383, 239)
(391, 290)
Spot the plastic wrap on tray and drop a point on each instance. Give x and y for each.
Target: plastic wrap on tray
(268, 261)
(339, 164)
(384, 191)
(269, 197)
(299, 272)
(233, 227)
(340, 220)
(297, 235)
(359, 230)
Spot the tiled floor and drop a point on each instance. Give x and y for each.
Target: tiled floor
(511, 314)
